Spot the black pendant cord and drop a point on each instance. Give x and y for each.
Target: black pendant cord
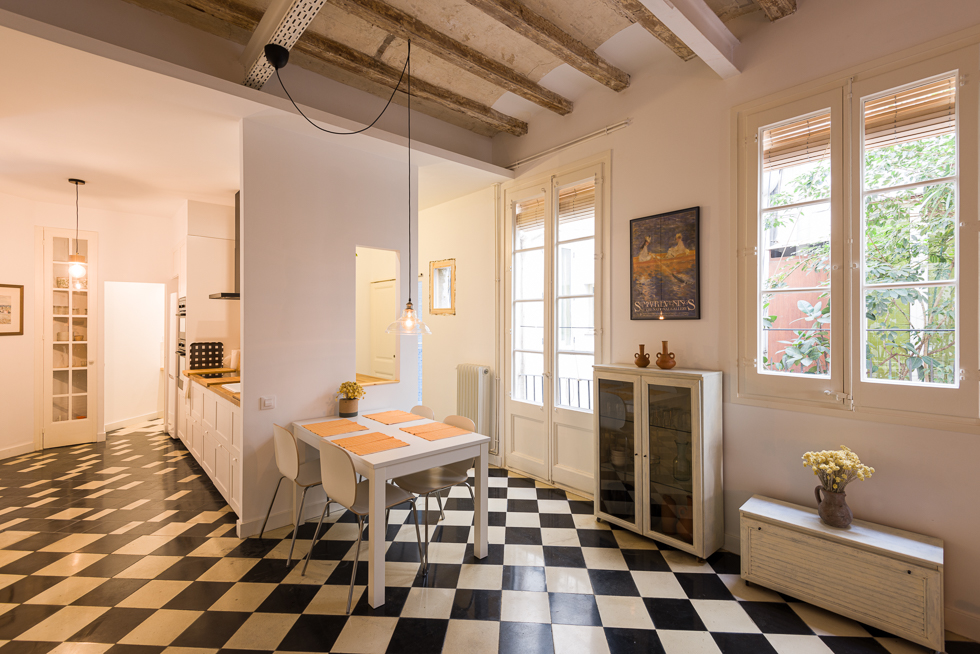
(76, 218)
(328, 131)
(411, 275)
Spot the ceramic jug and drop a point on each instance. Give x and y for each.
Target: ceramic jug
(642, 359)
(666, 359)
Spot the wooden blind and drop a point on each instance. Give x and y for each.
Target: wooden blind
(922, 112)
(796, 143)
(574, 203)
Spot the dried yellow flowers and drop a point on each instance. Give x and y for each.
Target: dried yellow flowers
(351, 391)
(837, 468)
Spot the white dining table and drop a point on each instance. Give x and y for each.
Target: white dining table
(419, 455)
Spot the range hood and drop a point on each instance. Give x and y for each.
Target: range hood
(236, 295)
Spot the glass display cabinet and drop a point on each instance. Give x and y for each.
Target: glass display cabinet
(659, 454)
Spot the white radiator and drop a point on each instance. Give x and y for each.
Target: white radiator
(474, 395)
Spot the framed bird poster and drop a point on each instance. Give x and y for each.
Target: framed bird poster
(665, 266)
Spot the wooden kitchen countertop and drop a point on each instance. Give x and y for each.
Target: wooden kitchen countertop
(216, 385)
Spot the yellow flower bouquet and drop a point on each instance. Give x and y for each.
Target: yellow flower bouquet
(837, 468)
(351, 391)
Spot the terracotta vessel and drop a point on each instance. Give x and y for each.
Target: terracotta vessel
(832, 508)
(642, 359)
(348, 408)
(666, 359)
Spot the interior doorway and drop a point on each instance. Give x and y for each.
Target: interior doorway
(134, 353)
(376, 281)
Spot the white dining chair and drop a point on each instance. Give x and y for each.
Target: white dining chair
(303, 474)
(340, 483)
(435, 480)
(423, 411)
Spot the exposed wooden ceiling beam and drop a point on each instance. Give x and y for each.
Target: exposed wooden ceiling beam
(776, 9)
(699, 27)
(235, 20)
(636, 12)
(549, 36)
(282, 23)
(351, 60)
(405, 26)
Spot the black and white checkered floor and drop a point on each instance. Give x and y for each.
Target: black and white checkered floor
(125, 547)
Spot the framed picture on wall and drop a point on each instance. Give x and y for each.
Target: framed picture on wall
(11, 310)
(442, 287)
(665, 266)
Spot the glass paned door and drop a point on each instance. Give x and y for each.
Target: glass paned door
(616, 421)
(669, 462)
(552, 243)
(70, 390)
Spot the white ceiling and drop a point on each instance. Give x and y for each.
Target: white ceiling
(143, 141)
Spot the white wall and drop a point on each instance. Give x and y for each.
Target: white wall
(307, 202)
(132, 248)
(462, 229)
(371, 265)
(134, 326)
(677, 154)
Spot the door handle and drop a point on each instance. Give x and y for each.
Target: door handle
(91, 363)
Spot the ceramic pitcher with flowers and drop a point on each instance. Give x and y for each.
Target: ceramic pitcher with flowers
(835, 469)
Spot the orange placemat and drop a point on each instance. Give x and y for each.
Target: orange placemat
(363, 444)
(335, 427)
(435, 431)
(393, 417)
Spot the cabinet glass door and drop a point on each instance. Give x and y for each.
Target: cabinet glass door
(669, 462)
(617, 446)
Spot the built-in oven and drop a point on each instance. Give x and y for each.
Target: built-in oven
(181, 363)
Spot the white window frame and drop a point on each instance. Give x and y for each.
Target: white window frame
(956, 408)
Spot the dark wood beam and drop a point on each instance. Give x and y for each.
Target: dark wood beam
(236, 21)
(636, 12)
(394, 21)
(366, 67)
(549, 36)
(776, 9)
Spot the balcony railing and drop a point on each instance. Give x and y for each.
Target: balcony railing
(573, 393)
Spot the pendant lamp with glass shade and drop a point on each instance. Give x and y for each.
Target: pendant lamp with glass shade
(409, 324)
(77, 268)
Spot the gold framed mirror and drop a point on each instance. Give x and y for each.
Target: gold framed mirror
(442, 287)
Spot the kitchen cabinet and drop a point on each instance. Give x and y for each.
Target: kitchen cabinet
(659, 454)
(216, 440)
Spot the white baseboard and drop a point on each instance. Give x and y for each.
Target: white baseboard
(16, 450)
(119, 424)
(282, 518)
(963, 624)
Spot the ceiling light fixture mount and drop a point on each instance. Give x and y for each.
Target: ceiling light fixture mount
(77, 267)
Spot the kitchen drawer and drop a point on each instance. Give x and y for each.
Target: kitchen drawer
(881, 584)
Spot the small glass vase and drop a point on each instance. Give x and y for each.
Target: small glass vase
(682, 462)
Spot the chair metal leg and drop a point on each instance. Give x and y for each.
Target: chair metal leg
(387, 517)
(299, 521)
(427, 531)
(470, 489)
(316, 533)
(418, 535)
(357, 556)
(269, 512)
(442, 514)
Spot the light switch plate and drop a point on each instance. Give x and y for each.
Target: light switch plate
(268, 402)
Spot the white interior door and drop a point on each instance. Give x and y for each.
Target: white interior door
(552, 310)
(382, 344)
(70, 404)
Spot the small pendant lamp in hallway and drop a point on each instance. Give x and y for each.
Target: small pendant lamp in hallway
(77, 268)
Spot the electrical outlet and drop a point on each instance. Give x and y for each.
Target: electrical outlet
(267, 402)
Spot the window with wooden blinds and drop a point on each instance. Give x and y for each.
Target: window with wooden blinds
(917, 113)
(800, 142)
(576, 202)
(530, 214)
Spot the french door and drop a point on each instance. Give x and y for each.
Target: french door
(552, 236)
(69, 336)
